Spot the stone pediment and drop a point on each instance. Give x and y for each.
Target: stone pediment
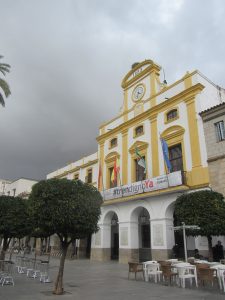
(138, 145)
(172, 132)
(111, 156)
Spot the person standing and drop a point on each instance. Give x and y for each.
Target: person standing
(219, 254)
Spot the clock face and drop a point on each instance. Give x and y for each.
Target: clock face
(138, 92)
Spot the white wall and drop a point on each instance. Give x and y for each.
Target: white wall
(20, 186)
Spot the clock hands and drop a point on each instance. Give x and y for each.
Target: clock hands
(138, 93)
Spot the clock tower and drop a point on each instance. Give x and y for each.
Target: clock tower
(140, 85)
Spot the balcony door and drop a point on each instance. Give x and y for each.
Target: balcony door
(139, 171)
(175, 157)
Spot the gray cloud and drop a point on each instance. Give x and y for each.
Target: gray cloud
(68, 59)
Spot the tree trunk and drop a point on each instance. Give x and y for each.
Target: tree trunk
(48, 245)
(34, 244)
(11, 253)
(59, 290)
(42, 243)
(210, 248)
(5, 246)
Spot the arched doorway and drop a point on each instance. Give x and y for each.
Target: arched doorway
(178, 249)
(144, 235)
(114, 237)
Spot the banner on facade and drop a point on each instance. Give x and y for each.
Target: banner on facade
(144, 186)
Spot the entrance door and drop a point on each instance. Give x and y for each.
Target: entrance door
(114, 238)
(144, 238)
(115, 246)
(178, 249)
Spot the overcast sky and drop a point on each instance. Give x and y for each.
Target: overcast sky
(68, 58)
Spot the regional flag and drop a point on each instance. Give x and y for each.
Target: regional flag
(166, 155)
(140, 160)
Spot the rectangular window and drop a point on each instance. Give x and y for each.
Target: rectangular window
(139, 130)
(76, 176)
(139, 171)
(220, 131)
(113, 143)
(172, 114)
(89, 176)
(175, 157)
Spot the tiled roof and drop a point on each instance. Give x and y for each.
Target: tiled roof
(212, 108)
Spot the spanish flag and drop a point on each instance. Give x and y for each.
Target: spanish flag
(116, 170)
(100, 177)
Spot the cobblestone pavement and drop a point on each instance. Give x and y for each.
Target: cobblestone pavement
(84, 279)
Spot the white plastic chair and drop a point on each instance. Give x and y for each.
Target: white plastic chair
(23, 265)
(37, 270)
(222, 278)
(44, 273)
(152, 270)
(7, 274)
(220, 269)
(186, 271)
(145, 263)
(30, 267)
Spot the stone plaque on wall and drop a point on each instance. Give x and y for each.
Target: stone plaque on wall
(203, 241)
(157, 230)
(98, 238)
(124, 236)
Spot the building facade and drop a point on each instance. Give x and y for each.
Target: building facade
(214, 128)
(4, 183)
(20, 187)
(138, 211)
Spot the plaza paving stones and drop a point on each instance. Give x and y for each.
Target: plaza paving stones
(84, 279)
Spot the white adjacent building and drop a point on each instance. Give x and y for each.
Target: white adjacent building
(19, 187)
(3, 185)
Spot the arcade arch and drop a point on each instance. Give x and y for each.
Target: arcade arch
(141, 233)
(111, 220)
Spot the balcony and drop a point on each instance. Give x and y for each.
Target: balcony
(174, 179)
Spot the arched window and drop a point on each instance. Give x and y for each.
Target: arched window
(172, 114)
(139, 130)
(113, 142)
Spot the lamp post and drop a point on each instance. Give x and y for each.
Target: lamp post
(183, 227)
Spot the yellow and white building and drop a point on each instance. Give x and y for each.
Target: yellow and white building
(137, 213)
